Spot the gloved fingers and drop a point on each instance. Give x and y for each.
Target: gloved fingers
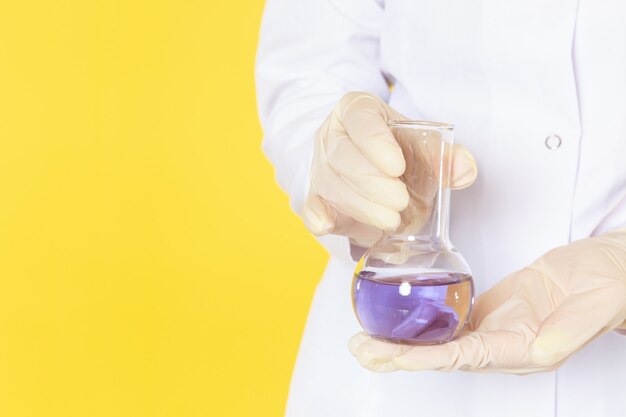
(357, 340)
(362, 234)
(464, 168)
(491, 301)
(434, 152)
(386, 191)
(322, 219)
(364, 117)
(523, 298)
(317, 215)
(345, 158)
(472, 351)
(339, 195)
(497, 351)
(348, 162)
(375, 355)
(576, 321)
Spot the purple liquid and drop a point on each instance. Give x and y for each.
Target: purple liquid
(419, 309)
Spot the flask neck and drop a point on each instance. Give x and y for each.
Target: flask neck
(421, 242)
(434, 224)
(436, 229)
(427, 150)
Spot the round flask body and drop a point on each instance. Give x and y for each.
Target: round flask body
(412, 305)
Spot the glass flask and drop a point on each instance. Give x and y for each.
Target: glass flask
(412, 286)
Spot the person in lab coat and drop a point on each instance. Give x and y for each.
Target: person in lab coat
(537, 93)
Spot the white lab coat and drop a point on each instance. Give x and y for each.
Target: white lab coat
(509, 75)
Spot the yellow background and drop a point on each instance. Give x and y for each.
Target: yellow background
(149, 264)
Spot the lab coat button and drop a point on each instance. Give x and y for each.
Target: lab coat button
(553, 142)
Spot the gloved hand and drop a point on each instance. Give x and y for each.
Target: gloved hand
(356, 186)
(531, 321)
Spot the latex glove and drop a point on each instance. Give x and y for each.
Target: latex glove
(531, 321)
(356, 187)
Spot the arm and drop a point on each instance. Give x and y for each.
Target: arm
(311, 52)
(330, 143)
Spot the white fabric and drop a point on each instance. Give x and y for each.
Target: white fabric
(508, 75)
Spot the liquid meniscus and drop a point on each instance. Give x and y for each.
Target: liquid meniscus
(426, 308)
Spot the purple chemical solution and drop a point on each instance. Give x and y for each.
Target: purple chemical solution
(425, 308)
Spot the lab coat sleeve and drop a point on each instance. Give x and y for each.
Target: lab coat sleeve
(310, 53)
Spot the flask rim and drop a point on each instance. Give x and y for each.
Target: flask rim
(419, 124)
